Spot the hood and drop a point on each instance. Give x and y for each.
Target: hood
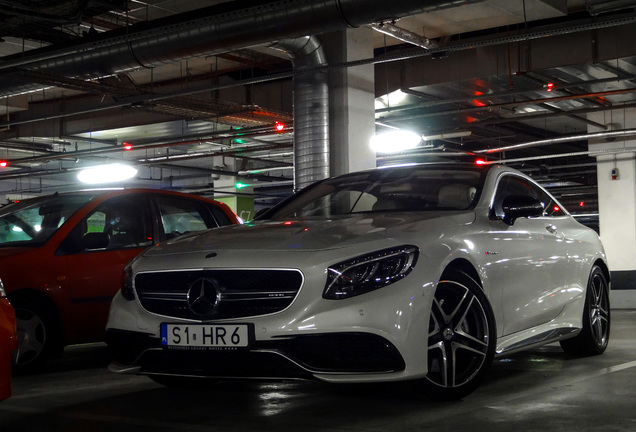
(313, 235)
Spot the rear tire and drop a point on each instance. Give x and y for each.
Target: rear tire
(461, 338)
(594, 336)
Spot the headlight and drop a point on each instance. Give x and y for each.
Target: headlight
(127, 289)
(369, 272)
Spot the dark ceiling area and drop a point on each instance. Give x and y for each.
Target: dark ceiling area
(529, 83)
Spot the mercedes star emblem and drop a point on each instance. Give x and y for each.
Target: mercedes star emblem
(203, 296)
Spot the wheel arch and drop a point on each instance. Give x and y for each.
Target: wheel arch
(31, 295)
(606, 271)
(464, 266)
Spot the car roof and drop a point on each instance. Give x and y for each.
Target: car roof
(106, 193)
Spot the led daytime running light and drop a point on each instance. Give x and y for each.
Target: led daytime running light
(369, 272)
(127, 283)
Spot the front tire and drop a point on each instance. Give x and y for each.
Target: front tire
(39, 332)
(461, 338)
(594, 336)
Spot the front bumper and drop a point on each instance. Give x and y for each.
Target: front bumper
(378, 336)
(299, 357)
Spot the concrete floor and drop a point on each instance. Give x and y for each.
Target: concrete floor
(541, 390)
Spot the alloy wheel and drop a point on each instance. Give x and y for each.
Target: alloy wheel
(599, 309)
(31, 336)
(458, 338)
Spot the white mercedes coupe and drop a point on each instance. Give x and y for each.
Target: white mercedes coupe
(423, 273)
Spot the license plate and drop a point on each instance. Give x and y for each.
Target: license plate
(205, 336)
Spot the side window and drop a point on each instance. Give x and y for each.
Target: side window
(119, 223)
(515, 185)
(219, 215)
(180, 216)
(96, 222)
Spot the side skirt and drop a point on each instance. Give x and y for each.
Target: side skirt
(514, 344)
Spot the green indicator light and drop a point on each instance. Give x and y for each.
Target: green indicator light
(241, 185)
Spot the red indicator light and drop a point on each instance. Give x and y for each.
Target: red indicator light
(480, 162)
(581, 204)
(549, 86)
(287, 223)
(556, 208)
(127, 146)
(279, 126)
(4, 164)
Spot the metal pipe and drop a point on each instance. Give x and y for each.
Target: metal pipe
(504, 105)
(311, 110)
(561, 140)
(265, 170)
(570, 154)
(243, 133)
(404, 35)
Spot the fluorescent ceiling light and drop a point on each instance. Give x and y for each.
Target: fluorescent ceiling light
(107, 174)
(448, 135)
(395, 141)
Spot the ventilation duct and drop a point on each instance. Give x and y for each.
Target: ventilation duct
(213, 30)
(311, 109)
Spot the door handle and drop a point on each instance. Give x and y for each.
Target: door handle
(551, 229)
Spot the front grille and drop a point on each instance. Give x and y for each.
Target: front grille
(217, 294)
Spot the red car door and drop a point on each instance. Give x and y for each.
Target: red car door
(91, 259)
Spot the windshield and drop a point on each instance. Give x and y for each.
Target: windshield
(398, 189)
(33, 222)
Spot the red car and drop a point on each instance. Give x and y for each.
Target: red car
(62, 257)
(8, 343)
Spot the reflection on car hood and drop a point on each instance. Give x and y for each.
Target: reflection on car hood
(308, 234)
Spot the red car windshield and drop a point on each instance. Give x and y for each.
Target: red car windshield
(33, 222)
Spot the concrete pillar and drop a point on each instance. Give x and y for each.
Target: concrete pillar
(236, 192)
(616, 173)
(351, 101)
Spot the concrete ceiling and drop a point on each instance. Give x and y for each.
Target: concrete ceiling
(480, 90)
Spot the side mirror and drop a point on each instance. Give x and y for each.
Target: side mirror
(95, 240)
(518, 206)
